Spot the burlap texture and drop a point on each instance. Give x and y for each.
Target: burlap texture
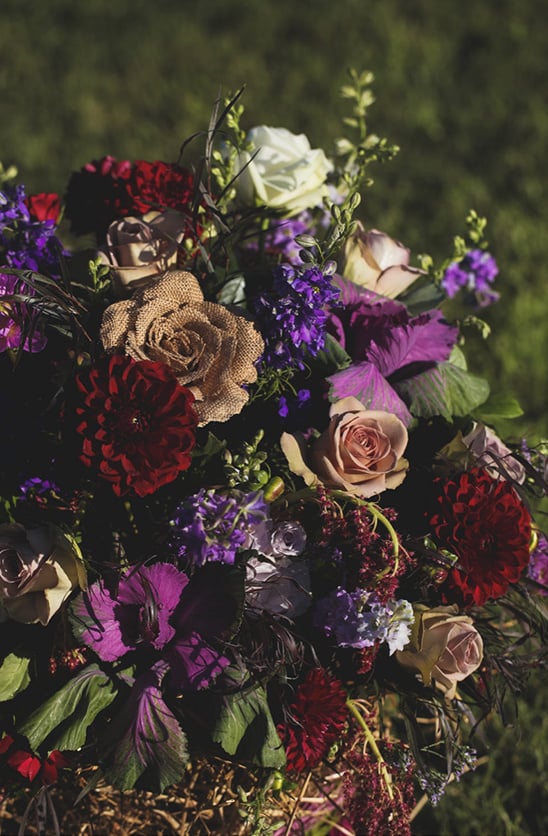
(210, 349)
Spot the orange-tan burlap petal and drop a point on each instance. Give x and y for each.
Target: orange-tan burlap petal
(210, 349)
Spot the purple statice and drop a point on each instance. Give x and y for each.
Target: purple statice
(475, 273)
(293, 319)
(210, 526)
(538, 566)
(38, 490)
(358, 619)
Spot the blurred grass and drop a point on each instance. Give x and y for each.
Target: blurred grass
(461, 87)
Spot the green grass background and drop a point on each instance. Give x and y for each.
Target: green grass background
(460, 86)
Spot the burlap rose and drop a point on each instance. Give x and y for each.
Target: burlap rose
(138, 249)
(39, 568)
(360, 451)
(445, 648)
(371, 259)
(210, 349)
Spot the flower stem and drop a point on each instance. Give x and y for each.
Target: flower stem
(373, 744)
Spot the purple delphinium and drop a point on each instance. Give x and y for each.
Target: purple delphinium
(210, 527)
(475, 273)
(293, 319)
(358, 619)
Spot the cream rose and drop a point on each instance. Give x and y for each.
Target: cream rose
(39, 568)
(360, 451)
(445, 648)
(281, 170)
(374, 261)
(493, 455)
(138, 249)
(211, 350)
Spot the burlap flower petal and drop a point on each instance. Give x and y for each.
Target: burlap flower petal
(210, 349)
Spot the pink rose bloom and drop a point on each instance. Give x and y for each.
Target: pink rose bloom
(360, 451)
(376, 262)
(445, 648)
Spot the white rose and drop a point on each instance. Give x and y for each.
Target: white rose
(281, 171)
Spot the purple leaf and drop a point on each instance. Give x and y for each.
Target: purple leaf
(366, 383)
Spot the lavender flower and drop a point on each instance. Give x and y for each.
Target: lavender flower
(358, 619)
(293, 319)
(538, 566)
(211, 527)
(475, 272)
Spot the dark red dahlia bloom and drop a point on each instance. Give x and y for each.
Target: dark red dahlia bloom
(137, 422)
(317, 718)
(160, 185)
(484, 522)
(97, 195)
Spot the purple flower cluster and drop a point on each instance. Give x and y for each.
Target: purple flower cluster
(210, 527)
(293, 319)
(538, 567)
(475, 272)
(358, 619)
(25, 244)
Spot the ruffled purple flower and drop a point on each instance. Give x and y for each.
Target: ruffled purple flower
(358, 619)
(474, 273)
(293, 319)
(17, 319)
(210, 527)
(387, 347)
(156, 608)
(26, 243)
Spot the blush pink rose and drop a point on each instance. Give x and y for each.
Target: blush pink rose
(360, 452)
(445, 648)
(373, 260)
(39, 568)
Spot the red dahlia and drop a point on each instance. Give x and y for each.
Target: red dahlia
(484, 522)
(137, 422)
(317, 719)
(160, 185)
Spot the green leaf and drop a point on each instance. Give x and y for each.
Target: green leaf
(152, 742)
(499, 406)
(233, 292)
(445, 390)
(64, 719)
(332, 358)
(14, 676)
(245, 724)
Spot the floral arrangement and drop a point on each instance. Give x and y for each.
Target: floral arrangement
(254, 507)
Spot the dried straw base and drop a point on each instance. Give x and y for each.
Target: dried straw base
(210, 800)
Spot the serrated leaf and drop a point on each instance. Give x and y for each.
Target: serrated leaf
(65, 717)
(445, 390)
(245, 722)
(151, 739)
(14, 676)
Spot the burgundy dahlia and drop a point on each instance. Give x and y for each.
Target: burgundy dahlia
(137, 423)
(160, 185)
(316, 719)
(484, 522)
(97, 195)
